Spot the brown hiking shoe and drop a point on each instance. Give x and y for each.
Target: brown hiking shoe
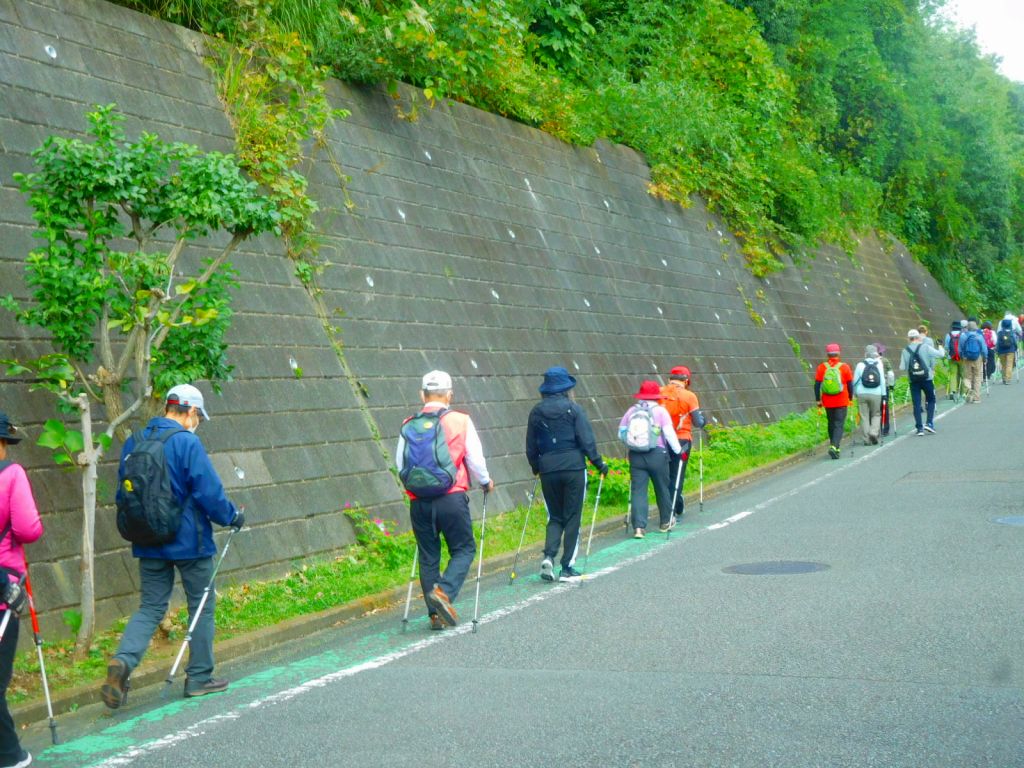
(115, 689)
(442, 606)
(435, 622)
(195, 688)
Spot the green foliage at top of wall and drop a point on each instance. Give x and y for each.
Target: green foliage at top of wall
(799, 121)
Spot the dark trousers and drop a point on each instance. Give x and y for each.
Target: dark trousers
(446, 516)
(676, 479)
(916, 388)
(10, 748)
(157, 578)
(836, 420)
(886, 415)
(643, 468)
(990, 364)
(563, 496)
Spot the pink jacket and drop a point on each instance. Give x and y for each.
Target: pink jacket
(17, 507)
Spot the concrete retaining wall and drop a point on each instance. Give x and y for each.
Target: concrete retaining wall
(475, 244)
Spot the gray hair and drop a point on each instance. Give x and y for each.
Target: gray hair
(870, 351)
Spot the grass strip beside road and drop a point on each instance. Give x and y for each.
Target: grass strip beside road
(381, 557)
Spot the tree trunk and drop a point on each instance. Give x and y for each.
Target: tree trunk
(90, 458)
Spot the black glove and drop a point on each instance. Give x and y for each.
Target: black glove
(15, 595)
(603, 469)
(239, 520)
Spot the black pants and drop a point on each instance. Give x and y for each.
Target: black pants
(990, 364)
(446, 516)
(10, 748)
(836, 421)
(675, 479)
(643, 467)
(564, 492)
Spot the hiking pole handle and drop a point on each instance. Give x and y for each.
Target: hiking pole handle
(32, 606)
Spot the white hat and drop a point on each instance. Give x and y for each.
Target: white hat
(188, 396)
(437, 381)
(913, 333)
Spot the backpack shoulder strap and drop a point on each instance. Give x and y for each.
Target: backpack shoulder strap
(167, 434)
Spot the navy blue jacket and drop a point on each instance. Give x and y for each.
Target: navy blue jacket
(198, 488)
(559, 436)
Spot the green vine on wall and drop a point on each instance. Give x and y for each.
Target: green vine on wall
(276, 100)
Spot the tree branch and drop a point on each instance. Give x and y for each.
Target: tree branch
(90, 392)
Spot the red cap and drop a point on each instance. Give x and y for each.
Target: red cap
(832, 349)
(681, 371)
(649, 390)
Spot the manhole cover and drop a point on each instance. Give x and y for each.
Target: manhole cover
(1011, 520)
(776, 568)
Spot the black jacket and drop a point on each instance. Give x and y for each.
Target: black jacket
(559, 436)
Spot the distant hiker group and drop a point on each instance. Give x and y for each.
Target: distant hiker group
(973, 351)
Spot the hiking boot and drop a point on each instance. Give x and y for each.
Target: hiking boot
(547, 569)
(115, 689)
(24, 760)
(196, 688)
(435, 623)
(639, 533)
(833, 452)
(569, 573)
(666, 527)
(442, 606)
(929, 428)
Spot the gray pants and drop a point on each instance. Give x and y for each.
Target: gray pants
(643, 468)
(870, 408)
(157, 577)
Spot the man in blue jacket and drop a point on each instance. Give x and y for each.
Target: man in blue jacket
(199, 490)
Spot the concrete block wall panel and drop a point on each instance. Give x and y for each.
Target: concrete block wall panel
(474, 244)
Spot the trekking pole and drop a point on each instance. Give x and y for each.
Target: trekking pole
(480, 564)
(593, 520)
(39, 651)
(522, 536)
(198, 613)
(675, 495)
(408, 594)
(629, 506)
(4, 623)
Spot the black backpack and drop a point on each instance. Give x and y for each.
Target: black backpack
(148, 512)
(1004, 341)
(870, 377)
(917, 370)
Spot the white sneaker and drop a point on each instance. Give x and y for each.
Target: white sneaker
(547, 570)
(24, 762)
(639, 533)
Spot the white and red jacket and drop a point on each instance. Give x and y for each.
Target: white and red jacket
(463, 444)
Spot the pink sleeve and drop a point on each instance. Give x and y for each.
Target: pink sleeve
(26, 526)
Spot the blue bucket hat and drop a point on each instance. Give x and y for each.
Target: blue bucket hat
(8, 432)
(556, 379)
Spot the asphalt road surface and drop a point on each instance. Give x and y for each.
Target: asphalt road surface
(901, 645)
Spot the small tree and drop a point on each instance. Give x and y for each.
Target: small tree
(126, 314)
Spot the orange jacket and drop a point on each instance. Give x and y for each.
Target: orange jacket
(680, 402)
(845, 374)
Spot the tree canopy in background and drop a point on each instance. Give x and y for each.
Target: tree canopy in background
(800, 121)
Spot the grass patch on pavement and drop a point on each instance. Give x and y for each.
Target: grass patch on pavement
(381, 557)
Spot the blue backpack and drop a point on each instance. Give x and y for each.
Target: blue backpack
(427, 467)
(972, 345)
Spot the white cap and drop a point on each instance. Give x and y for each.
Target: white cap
(437, 381)
(188, 396)
(913, 333)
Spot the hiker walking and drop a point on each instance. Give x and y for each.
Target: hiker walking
(559, 440)
(952, 346)
(924, 337)
(1006, 348)
(918, 360)
(684, 410)
(974, 354)
(21, 525)
(990, 347)
(198, 498)
(438, 449)
(869, 387)
(833, 390)
(647, 430)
